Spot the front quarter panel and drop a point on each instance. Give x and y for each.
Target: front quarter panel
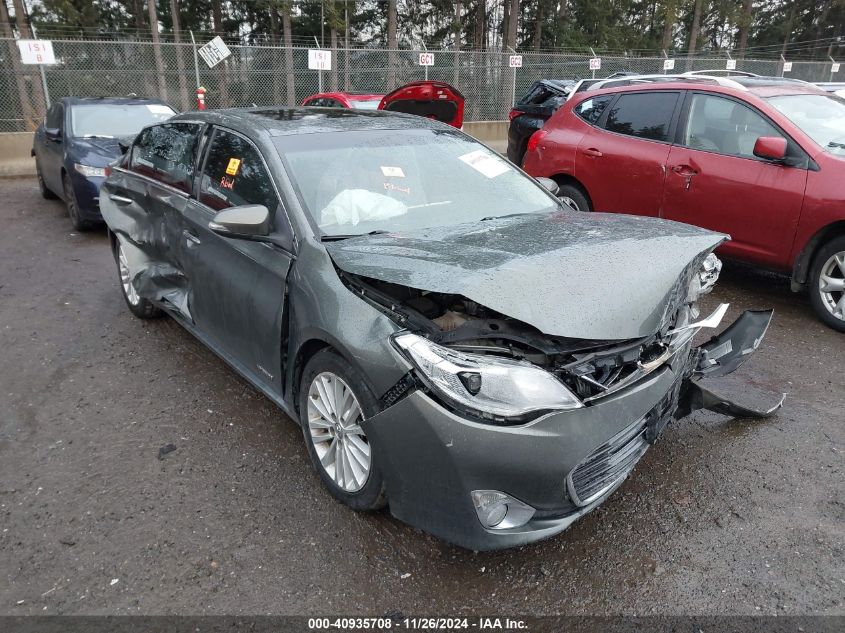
(323, 309)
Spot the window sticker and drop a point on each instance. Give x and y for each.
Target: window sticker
(389, 186)
(392, 172)
(157, 108)
(485, 163)
(227, 183)
(233, 166)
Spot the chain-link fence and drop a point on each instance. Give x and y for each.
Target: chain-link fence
(265, 75)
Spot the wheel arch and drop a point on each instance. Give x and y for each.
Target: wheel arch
(569, 179)
(804, 261)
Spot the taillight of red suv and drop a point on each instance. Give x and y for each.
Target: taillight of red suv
(514, 113)
(535, 139)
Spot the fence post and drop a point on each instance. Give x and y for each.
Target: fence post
(196, 61)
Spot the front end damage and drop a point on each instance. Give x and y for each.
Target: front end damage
(486, 477)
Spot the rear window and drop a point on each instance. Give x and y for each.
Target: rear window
(643, 114)
(591, 109)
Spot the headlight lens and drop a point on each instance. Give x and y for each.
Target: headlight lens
(90, 172)
(491, 387)
(705, 279)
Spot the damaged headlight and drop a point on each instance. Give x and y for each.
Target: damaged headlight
(705, 279)
(492, 387)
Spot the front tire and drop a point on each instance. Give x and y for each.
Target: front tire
(140, 307)
(574, 197)
(333, 400)
(827, 283)
(73, 207)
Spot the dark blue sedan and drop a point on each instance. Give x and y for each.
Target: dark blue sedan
(78, 139)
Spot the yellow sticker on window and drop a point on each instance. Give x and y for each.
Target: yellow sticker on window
(233, 166)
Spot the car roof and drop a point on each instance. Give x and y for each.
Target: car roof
(757, 85)
(285, 121)
(110, 100)
(340, 93)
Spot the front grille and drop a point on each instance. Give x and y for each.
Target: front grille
(608, 465)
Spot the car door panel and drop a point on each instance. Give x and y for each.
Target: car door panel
(51, 157)
(714, 181)
(622, 160)
(144, 204)
(237, 287)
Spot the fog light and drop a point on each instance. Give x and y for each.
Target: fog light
(499, 511)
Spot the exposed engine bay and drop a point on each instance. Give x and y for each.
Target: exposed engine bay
(589, 368)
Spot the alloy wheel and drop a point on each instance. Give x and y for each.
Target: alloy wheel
(832, 285)
(334, 425)
(125, 279)
(570, 202)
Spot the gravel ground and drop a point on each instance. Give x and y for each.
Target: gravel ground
(721, 517)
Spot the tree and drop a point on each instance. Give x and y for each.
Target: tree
(30, 118)
(694, 31)
(159, 60)
(288, 35)
(180, 61)
(744, 26)
(392, 18)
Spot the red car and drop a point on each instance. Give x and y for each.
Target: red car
(759, 158)
(359, 100)
(430, 99)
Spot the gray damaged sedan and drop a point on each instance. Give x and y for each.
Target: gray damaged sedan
(455, 343)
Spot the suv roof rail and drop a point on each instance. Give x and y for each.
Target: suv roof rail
(718, 72)
(636, 79)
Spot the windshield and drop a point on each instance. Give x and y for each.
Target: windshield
(360, 104)
(821, 117)
(116, 120)
(353, 183)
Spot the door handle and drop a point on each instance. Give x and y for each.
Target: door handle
(684, 170)
(190, 237)
(592, 151)
(120, 199)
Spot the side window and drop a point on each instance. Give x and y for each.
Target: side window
(234, 174)
(55, 117)
(716, 124)
(167, 153)
(591, 109)
(643, 114)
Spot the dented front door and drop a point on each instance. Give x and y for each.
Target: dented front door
(237, 287)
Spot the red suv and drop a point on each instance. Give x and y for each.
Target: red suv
(759, 158)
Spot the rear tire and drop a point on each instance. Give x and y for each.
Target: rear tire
(827, 283)
(339, 450)
(140, 307)
(574, 197)
(73, 207)
(46, 193)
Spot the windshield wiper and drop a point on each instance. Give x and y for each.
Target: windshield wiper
(837, 145)
(96, 136)
(335, 238)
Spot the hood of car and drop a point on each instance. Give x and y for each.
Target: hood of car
(97, 151)
(580, 275)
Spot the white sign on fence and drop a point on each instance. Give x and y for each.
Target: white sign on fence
(515, 61)
(787, 66)
(426, 59)
(214, 52)
(318, 59)
(595, 63)
(36, 52)
(668, 64)
(835, 67)
(730, 64)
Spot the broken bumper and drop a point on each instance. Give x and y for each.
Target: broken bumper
(562, 465)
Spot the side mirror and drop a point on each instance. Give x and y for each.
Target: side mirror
(770, 147)
(549, 184)
(248, 221)
(53, 134)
